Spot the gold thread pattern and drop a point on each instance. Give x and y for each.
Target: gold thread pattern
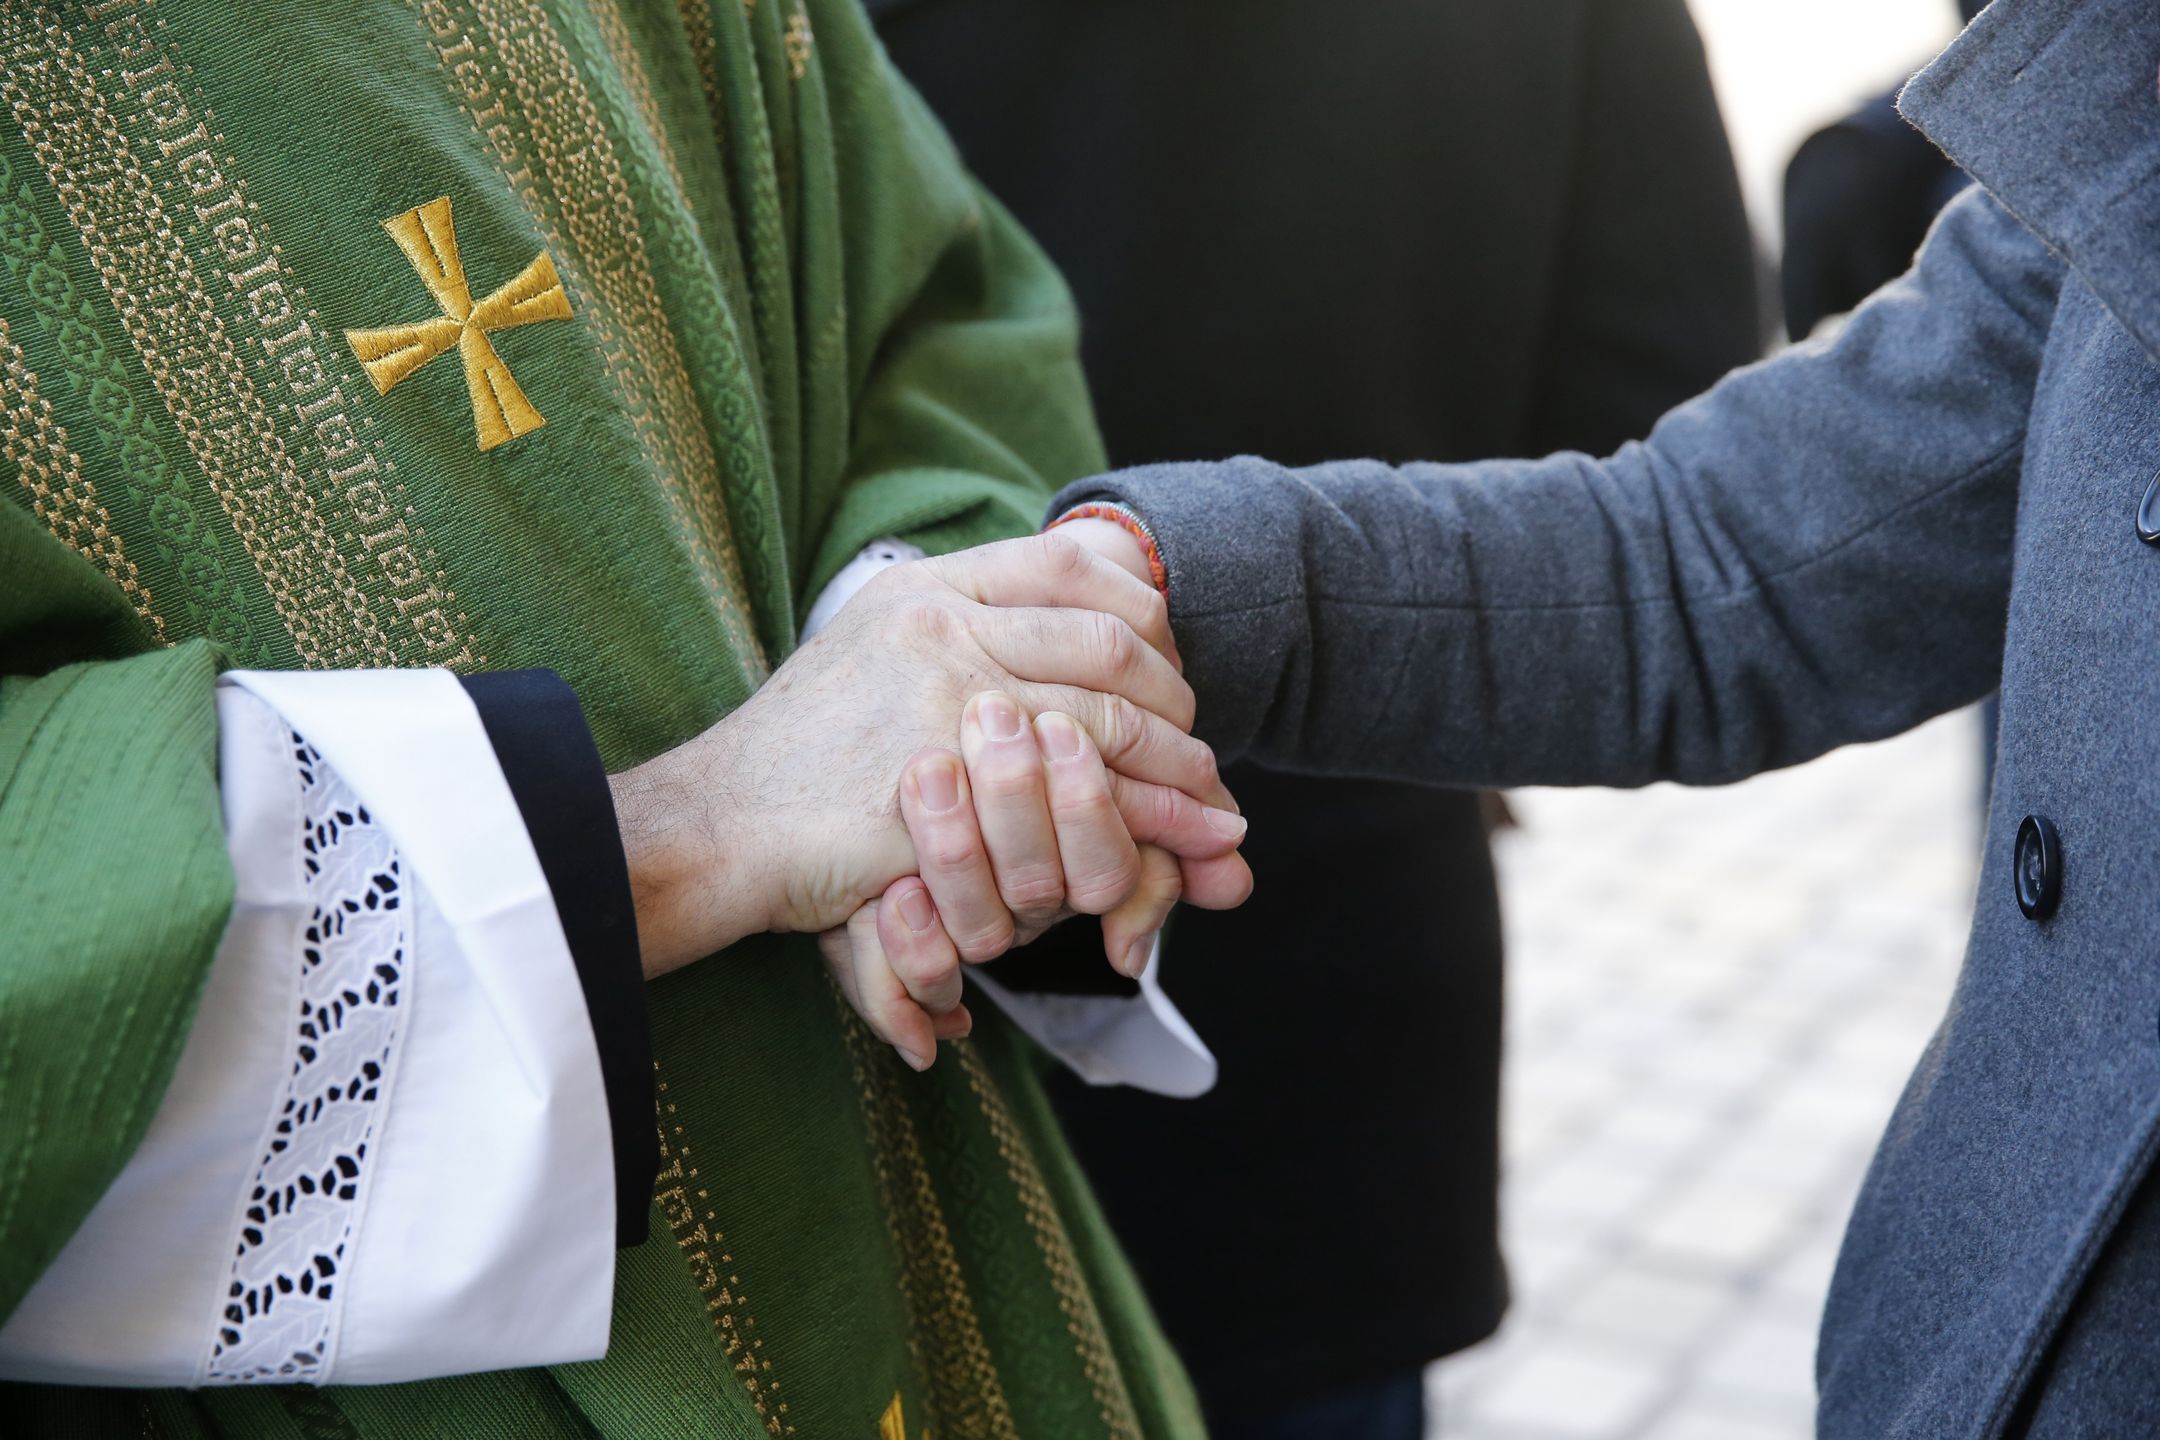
(607, 14)
(1091, 1341)
(136, 448)
(798, 41)
(428, 237)
(190, 355)
(574, 147)
(302, 375)
(60, 494)
(575, 191)
(768, 262)
(966, 1398)
(697, 18)
(691, 1221)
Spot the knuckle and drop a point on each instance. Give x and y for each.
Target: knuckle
(1155, 612)
(1061, 555)
(1032, 890)
(1161, 878)
(1007, 785)
(1165, 807)
(1101, 890)
(922, 973)
(1088, 808)
(1116, 645)
(1191, 760)
(1186, 706)
(987, 942)
(951, 849)
(931, 621)
(1124, 736)
(1209, 768)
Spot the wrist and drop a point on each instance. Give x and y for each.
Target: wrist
(690, 873)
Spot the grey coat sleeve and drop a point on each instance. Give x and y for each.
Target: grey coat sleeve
(1815, 552)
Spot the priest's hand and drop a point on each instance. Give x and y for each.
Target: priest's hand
(782, 816)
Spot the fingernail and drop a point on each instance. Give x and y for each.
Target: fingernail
(1228, 824)
(938, 782)
(916, 1062)
(1060, 737)
(1136, 956)
(1000, 717)
(916, 909)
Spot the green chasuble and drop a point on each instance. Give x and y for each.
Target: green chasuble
(502, 333)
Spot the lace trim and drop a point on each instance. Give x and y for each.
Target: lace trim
(281, 1308)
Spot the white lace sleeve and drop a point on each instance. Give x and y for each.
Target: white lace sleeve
(393, 1015)
(304, 1200)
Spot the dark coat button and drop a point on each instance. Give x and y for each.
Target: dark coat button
(2148, 516)
(2036, 869)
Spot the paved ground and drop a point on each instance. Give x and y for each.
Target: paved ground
(1715, 996)
(1714, 999)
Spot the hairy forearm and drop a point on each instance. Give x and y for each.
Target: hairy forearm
(682, 833)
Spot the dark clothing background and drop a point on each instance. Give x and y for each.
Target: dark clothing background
(1859, 197)
(1429, 229)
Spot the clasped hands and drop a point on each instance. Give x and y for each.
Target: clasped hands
(1076, 786)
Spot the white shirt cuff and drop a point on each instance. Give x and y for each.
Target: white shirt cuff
(375, 1159)
(1138, 1040)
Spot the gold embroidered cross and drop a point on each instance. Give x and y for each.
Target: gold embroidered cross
(500, 410)
(892, 1425)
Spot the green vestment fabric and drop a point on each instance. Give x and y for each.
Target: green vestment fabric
(793, 326)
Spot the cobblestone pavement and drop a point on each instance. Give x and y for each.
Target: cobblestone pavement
(1714, 999)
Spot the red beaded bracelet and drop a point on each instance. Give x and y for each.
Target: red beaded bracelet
(1132, 525)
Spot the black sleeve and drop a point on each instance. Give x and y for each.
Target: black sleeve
(1067, 959)
(547, 754)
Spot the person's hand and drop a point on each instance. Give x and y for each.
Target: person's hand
(1113, 542)
(992, 827)
(782, 816)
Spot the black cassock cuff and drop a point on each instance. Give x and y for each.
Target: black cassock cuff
(546, 751)
(1067, 959)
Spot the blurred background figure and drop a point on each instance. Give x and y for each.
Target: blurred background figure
(1860, 195)
(1413, 229)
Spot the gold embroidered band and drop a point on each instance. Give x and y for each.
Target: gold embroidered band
(61, 495)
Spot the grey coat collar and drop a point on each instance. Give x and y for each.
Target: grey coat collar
(2054, 106)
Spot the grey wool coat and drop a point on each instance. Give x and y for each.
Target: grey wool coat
(1826, 548)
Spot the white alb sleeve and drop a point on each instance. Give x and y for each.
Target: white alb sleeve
(1139, 1040)
(382, 1154)
(876, 556)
